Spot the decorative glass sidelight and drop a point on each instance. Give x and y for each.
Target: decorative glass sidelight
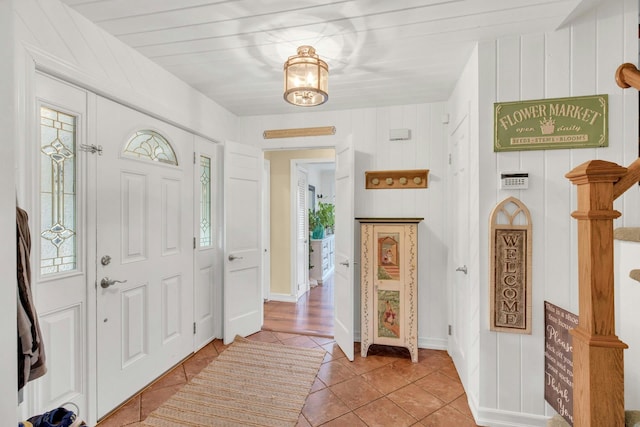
(205, 201)
(58, 249)
(150, 145)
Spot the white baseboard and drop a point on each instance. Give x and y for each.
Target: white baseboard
(282, 297)
(432, 343)
(497, 418)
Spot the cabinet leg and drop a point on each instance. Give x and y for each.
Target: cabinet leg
(364, 348)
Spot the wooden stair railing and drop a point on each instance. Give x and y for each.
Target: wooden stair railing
(598, 361)
(598, 364)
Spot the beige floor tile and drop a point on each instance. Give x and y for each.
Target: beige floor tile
(416, 401)
(356, 392)
(385, 379)
(323, 406)
(334, 372)
(447, 417)
(384, 413)
(442, 386)
(347, 420)
(127, 414)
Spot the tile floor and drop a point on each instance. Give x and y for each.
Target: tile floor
(383, 389)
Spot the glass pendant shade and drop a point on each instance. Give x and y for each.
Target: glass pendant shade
(306, 78)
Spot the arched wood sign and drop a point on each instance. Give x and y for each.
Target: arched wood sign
(510, 272)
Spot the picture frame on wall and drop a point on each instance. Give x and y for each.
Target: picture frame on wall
(555, 123)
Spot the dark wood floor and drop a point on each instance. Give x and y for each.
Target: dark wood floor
(311, 315)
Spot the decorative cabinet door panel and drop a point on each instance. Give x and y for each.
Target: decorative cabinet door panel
(389, 284)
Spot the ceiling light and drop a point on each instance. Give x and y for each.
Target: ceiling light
(306, 78)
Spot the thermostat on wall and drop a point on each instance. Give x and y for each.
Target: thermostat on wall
(514, 180)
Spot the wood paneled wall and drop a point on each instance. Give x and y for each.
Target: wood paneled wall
(8, 371)
(578, 59)
(369, 129)
(67, 44)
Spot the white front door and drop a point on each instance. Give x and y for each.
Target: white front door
(144, 251)
(59, 267)
(243, 307)
(344, 241)
(459, 295)
(207, 277)
(301, 233)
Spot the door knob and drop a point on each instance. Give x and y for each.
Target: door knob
(233, 257)
(463, 269)
(345, 263)
(106, 282)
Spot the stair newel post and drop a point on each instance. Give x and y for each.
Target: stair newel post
(598, 367)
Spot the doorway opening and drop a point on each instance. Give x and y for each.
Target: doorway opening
(299, 197)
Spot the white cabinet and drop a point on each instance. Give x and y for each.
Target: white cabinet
(321, 258)
(389, 283)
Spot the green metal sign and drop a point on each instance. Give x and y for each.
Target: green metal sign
(546, 124)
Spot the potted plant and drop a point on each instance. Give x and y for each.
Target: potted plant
(316, 228)
(326, 216)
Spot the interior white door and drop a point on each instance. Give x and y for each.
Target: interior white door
(460, 203)
(243, 307)
(266, 230)
(344, 242)
(301, 232)
(144, 252)
(207, 305)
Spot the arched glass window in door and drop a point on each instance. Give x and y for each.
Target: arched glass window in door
(150, 145)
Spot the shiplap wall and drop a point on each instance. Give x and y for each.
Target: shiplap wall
(67, 44)
(578, 59)
(427, 149)
(8, 371)
(60, 42)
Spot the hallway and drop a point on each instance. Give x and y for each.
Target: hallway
(312, 314)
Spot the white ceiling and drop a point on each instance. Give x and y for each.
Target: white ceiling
(380, 52)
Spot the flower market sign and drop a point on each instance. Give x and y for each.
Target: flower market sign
(545, 124)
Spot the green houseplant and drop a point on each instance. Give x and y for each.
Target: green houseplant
(315, 226)
(321, 220)
(326, 215)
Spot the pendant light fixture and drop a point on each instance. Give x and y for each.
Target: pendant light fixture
(306, 78)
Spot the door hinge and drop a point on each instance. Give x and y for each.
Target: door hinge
(194, 243)
(194, 157)
(93, 149)
(194, 328)
(449, 329)
(449, 158)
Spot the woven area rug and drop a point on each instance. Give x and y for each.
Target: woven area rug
(249, 384)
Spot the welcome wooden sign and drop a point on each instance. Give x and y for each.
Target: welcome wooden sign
(510, 270)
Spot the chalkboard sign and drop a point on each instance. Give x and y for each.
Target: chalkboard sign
(558, 359)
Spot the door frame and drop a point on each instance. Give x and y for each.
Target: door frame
(295, 168)
(457, 344)
(293, 188)
(266, 230)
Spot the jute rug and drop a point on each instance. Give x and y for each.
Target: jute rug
(249, 384)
